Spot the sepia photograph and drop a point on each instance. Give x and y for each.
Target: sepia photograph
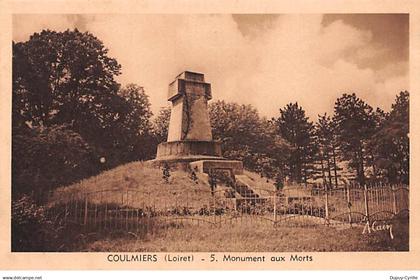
(210, 132)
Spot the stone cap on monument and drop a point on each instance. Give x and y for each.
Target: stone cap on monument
(188, 82)
(191, 76)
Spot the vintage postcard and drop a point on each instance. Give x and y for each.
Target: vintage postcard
(157, 135)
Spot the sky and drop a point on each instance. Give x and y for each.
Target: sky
(263, 60)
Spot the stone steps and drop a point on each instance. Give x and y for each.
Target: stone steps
(244, 190)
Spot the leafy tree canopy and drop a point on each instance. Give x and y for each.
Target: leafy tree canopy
(67, 78)
(63, 77)
(161, 124)
(245, 136)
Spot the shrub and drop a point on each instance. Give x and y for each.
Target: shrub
(166, 173)
(29, 225)
(47, 157)
(34, 231)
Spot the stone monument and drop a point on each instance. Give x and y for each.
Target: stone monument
(190, 142)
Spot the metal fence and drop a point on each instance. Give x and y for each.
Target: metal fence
(135, 210)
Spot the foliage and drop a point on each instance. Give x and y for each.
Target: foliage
(161, 125)
(64, 77)
(355, 124)
(279, 183)
(390, 144)
(247, 137)
(33, 230)
(67, 78)
(221, 177)
(166, 173)
(212, 180)
(68, 111)
(193, 175)
(28, 219)
(133, 136)
(46, 157)
(294, 126)
(326, 139)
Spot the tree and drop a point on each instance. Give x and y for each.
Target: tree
(132, 130)
(298, 131)
(67, 78)
(356, 124)
(63, 77)
(161, 125)
(247, 137)
(47, 157)
(390, 144)
(327, 153)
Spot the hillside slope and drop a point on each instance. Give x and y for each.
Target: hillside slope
(137, 184)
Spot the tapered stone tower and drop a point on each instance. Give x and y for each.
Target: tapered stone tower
(189, 136)
(189, 94)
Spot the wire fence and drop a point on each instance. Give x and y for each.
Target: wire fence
(140, 211)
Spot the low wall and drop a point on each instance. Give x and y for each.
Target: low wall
(204, 166)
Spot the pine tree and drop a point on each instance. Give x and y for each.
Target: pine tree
(390, 144)
(298, 131)
(327, 152)
(355, 125)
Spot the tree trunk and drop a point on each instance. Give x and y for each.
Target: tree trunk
(329, 169)
(373, 165)
(335, 167)
(362, 167)
(324, 180)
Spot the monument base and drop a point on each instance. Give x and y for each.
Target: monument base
(179, 154)
(199, 155)
(182, 149)
(201, 164)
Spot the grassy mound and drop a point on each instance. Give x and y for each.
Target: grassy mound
(138, 185)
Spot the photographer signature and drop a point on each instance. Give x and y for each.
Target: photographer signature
(378, 226)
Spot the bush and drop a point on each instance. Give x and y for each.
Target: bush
(47, 157)
(34, 231)
(30, 226)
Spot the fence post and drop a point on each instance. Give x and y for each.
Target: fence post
(327, 215)
(127, 211)
(86, 209)
(349, 204)
(366, 203)
(394, 200)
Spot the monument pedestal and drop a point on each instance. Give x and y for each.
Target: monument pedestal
(185, 149)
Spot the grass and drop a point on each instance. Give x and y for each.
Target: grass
(136, 184)
(264, 186)
(255, 237)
